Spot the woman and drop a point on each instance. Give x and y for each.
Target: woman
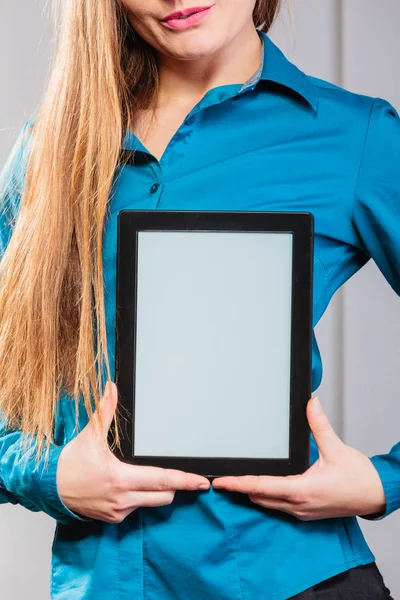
(149, 109)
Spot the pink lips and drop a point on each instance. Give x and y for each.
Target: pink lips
(186, 18)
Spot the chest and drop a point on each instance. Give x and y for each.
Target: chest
(199, 163)
(256, 151)
(244, 156)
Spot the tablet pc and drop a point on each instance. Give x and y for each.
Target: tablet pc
(213, 340)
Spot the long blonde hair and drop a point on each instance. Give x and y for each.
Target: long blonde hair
(52, 314)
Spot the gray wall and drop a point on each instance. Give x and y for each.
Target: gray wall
(25, 48)
(351, 43)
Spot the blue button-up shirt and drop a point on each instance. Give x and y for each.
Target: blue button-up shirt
(282, 141)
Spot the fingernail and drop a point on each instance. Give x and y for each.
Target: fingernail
(203, 486)
(316, 405)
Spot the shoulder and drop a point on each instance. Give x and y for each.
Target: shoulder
(366, 120)
(12, 173)
(343, 102)
(328, 91)
(28, 129)
(22, 144)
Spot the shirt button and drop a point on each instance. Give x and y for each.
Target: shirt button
(154, 188)
(189, 121)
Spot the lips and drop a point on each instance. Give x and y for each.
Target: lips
(185, 13)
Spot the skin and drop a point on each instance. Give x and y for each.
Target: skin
(341, 482)
(224, 48)
(92, 481)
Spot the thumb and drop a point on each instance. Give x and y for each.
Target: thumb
(103, 416)
(325, 436)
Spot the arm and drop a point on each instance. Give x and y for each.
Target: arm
(21, 481)
(376, 218)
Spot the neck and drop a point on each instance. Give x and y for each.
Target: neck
(182, 82)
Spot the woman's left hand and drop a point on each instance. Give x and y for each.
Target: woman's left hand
(341, 482)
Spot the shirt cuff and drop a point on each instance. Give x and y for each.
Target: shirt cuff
(46, 491)
(390, 478)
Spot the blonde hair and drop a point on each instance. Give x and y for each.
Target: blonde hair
(52, 313)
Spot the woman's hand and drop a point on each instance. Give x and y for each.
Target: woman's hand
(94, 483)
(342, 482)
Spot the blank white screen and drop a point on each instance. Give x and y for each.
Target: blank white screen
(212, 375)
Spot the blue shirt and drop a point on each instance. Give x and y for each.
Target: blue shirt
(282, 141)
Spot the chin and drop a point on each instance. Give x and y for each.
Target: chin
(194, 46)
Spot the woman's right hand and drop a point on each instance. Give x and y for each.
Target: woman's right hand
(92, 481)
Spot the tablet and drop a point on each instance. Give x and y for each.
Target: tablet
(213, 340)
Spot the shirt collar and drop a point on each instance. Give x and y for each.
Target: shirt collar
(276, 67)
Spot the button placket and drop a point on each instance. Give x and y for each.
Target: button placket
(157, 186)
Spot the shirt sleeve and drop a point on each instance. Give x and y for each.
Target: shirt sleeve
(376, 218)
(22, 481)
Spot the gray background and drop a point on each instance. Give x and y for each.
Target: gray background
(356, 44)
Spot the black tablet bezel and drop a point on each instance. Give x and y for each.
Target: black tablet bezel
(301, 225)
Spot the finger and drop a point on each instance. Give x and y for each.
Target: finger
(273, 504)
(100, 422)
(325, 436)
(268, 485)
(103, 417)
(133, 500)
(158, 479)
